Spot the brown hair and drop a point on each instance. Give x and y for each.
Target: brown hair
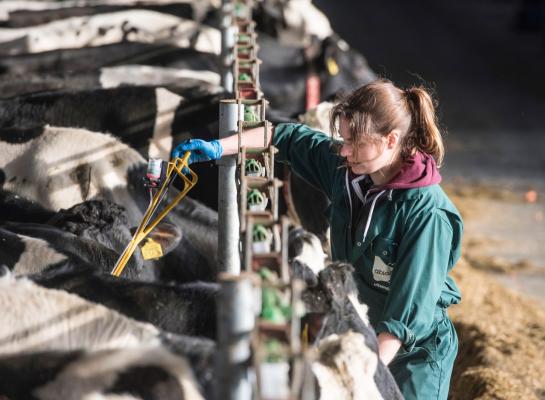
(380, 107)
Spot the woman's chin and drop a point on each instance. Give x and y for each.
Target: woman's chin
(358, 170)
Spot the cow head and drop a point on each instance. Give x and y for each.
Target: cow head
(306, 255)
(333, 306)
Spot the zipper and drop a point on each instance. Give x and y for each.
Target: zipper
(347, 187)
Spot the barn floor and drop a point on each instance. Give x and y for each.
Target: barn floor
(488, 78)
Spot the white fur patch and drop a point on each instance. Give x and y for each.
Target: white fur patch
(161, 142)
(98, 371)
(101, 29)
(38, 319)
(303, 18)
(318, 117)
(348, 373)
(38, 255)
(360, 308)
(7, 6)
(312, 255)
(112, 77)
(44, 169)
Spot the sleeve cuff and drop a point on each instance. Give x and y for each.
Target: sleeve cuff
(399, 330)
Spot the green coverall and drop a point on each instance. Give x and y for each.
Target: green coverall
(412, 242)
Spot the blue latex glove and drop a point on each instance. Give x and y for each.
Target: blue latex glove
(201, 150)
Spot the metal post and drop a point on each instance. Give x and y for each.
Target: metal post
(236, 306)
(228, 38)
(228, 223)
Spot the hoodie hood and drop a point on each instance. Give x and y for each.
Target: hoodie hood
(418, 171)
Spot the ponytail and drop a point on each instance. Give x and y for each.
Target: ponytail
(423, 133)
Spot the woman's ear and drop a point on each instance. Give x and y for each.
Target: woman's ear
(392, 139)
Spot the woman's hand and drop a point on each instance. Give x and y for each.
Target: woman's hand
(201, 150)
(388, 345)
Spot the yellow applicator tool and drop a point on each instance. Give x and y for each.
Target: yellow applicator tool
(176, 165)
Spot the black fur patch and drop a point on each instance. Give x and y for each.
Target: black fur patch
(11, 248)
(148, 383)
(82, 176)
(20, 135)
(22, 374)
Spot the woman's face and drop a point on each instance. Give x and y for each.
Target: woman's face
(364, 157)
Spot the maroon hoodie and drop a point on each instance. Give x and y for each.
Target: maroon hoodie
(418, 171)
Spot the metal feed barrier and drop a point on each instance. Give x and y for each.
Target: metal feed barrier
(260, 353)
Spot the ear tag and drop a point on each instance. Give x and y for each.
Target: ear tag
(151, 249)
(332, 66)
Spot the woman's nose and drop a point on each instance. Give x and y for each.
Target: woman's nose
(346, 150)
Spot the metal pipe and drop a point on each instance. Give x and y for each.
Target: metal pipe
(228, 220)
(236, 307)
(229, 33)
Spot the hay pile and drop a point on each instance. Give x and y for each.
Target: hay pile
(501, 333)
(502, 340)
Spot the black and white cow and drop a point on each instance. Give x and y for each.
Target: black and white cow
(338, 324)
(58, 168)
(65, 62)
(95, 30)
(90, 234)
(147, 118)
(190, 82)
(17, 14)
(335, 311)
(39, 325)
(147, 372)
(40, 319)
(184, 309)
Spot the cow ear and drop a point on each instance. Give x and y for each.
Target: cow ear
(167, 235)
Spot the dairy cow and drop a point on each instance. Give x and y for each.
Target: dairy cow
(148, 372)
(147, 118)
(334, 311)
(181, 80)
(12, 11)
(90, 59)
(30, 248)
(338, 325)
(17, 14)
(346, 368)
(185, 309)
(100, 29)
(40, 319)
(50, 331)
(60, 167)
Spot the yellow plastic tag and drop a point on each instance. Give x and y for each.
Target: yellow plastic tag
(151, 249)
(332, 66)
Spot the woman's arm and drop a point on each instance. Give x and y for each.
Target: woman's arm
(388, 345)
(250, 138)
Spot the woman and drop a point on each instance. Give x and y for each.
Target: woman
(389, 218)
